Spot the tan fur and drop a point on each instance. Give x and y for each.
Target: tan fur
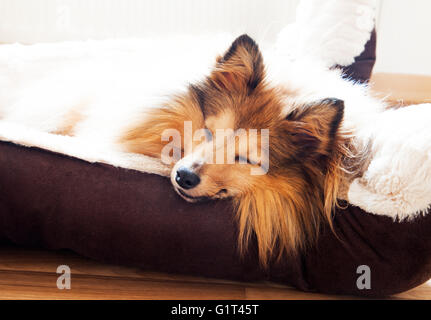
(145, 137)
(284, 208)
(71, 119)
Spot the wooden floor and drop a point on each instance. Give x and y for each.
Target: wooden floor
(402, 89)
(31, 274)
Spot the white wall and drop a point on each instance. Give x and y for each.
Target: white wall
(32, 21)
(404, 27)
(404, 37)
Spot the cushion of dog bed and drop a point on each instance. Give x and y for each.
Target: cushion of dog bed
(127, 217)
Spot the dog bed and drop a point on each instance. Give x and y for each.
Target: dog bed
(132, 218)
(127, 217)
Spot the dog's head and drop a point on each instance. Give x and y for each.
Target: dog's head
(279, 166)
(243, 126)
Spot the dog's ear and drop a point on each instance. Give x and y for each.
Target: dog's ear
(241, 67)
(314, 126)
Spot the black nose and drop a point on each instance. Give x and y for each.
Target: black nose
(186, 178)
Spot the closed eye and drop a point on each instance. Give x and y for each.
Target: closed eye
(242, 160)
(208, 135)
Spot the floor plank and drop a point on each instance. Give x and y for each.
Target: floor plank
(43, 286)
(402, 89)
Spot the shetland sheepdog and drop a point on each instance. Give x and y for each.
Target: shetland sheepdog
(283, 139)
(285, 205)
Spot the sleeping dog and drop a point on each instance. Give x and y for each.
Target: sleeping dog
(317, 138)
(320, 148)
